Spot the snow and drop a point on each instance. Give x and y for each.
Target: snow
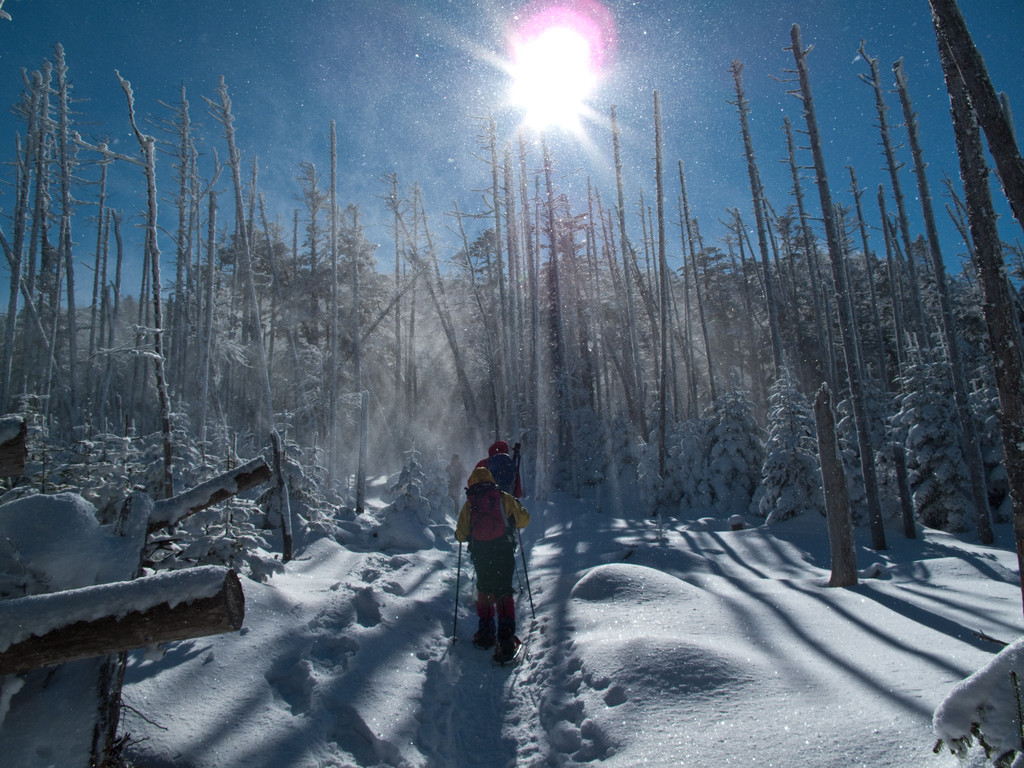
(699, 646)
(56, 540)
(981, 698)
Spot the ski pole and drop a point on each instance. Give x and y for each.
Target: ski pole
(458, 578)
(526, 573)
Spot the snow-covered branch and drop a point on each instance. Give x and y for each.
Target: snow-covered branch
(170, 511)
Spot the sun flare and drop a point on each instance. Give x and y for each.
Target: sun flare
(553, 77)
(557, 58)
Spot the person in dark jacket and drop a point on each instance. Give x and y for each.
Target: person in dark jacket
(504, 468)
(488, 521)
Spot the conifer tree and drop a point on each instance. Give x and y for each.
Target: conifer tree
(735, 454)
(937, 473)
(790, 476)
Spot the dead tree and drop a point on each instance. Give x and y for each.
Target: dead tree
(633, 359)
(853, 371)
(148, 146)
(1007, 362)
(988, 108)
(970, 444)
(171, 511)
(837, 505)
(757, 192)
(919, 320)
(662, 286)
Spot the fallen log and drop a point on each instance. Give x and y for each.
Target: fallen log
(54, 628)
(170, 511)
(13, 448)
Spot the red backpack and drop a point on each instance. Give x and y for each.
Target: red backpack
(487, 520)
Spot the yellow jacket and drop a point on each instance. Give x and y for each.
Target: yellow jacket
(509, 503)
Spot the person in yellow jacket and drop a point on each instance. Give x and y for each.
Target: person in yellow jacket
(488, 521)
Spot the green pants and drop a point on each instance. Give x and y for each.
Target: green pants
(495, 562)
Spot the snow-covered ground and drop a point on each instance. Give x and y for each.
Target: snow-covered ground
(699, 647)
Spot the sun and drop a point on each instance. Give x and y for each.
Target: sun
(557, 58)
(552, 78)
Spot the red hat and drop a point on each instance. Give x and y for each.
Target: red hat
(499, 447)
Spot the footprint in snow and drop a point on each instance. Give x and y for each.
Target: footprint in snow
(367, 609)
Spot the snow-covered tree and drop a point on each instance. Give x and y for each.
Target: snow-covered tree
(689, 455)
(735, 454)
(936, 469)
(985, 404)
(790, 476)
(876, 411)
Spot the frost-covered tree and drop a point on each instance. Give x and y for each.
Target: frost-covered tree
(690, 459)
(587, 464)
(790, 476)
(654, 495)
(877, 410)
(936, 469)
(622, 446)
(735, 454)
(985, 404)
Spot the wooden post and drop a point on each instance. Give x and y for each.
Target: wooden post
(282, 489)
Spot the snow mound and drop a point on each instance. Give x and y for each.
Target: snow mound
(648, 649)
(405, 530)
(630, 583)
(976, 707)
(52, 543)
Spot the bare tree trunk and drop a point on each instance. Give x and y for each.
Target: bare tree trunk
(757, 191)
(553, 302)
(503, 329)
(21, 211)
(837, 505)
(98, 280)
(869, 271)
(435, 287)
(65, 149)
(920, 319)
(148, 146)
(178, 335)
(839, 278)
(899, 453)
(332, 380)
(206, 340)
(222, 111)
(991, 116)
(970, 444)
(394, 203)
(699, 296)
(515, 316)
(689, 256)
(1007, 361)
(662, 288)
(633, 359)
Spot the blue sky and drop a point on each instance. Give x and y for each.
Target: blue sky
(407, 81)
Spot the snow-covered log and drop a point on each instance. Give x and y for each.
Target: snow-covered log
(170, 511)
(54, 628)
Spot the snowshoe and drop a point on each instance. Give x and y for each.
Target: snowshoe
(508, 652)
(483, 640)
